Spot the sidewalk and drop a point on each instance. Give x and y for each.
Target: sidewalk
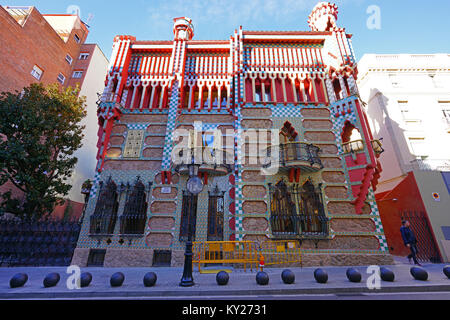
(241, 283)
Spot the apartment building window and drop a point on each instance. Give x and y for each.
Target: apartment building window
(77, 74)
(405, 110)
(445, 107)
(77, 38)
(69, 59)
(61, 78)
(83, 56)
(418, 146)
(394, 80)
(37, 72)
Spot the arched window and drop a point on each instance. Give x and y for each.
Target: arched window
(134, 216)
(351, 138)
(103, 220)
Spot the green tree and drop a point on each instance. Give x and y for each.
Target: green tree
(40, 131)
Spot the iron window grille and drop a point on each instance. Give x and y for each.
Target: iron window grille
(189, 203)
(216, 210)
(134, 217)
(297, 211)
(96, 257)
(162, 258)
(103, 220)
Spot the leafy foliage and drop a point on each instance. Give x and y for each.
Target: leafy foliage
(40, 131)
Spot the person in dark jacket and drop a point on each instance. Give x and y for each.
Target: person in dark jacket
(410, 241)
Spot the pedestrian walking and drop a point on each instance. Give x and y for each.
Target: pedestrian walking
(410, 241)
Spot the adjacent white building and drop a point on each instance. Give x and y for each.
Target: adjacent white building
(408, 106)
(90, 69)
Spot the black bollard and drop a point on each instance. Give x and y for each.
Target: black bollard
(117, 279)
(353, 275)
(321, 276)
(222, 278)
(288, 276)
(150, 279)
(447, 271)
(262, 278)
(387, 274)
(85, 279)
(51, 280)
(18, 280)
(419, 273)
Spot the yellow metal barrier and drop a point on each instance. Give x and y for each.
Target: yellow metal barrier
(225, 252)
(281, 252)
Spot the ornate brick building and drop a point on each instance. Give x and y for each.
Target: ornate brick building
(291, 96)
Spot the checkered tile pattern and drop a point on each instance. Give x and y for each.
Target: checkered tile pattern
(330, 91)
(95, 185)
(286, 111)
(171, 123)
(137, 126)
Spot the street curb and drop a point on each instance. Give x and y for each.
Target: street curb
(215, 293)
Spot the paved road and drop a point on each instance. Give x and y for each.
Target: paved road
(241, 284)
(351, 296)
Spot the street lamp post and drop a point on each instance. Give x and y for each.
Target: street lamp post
(194, 187)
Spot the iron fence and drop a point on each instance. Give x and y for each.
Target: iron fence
(48, 242)
(427, 248)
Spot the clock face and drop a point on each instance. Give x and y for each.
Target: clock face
(195, 185)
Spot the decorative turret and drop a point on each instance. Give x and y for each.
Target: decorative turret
(183, 29)
(323, 17)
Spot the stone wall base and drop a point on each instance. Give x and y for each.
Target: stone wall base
(128, 258)
(80, 257)
(144, 258)
(317, 260)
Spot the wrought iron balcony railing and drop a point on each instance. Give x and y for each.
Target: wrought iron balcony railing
(303, 226)
(358, 146)
(132, 224)
(295, 155)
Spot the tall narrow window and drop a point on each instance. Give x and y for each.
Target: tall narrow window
(337, 89)
(308, 90)
(188, 211)
(104, 218)
(186, 96)
(224, 98)
(258, 92)
(215, 215)
(132, 222)
(268, 91)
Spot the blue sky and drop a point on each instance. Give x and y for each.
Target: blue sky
(407, 26)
